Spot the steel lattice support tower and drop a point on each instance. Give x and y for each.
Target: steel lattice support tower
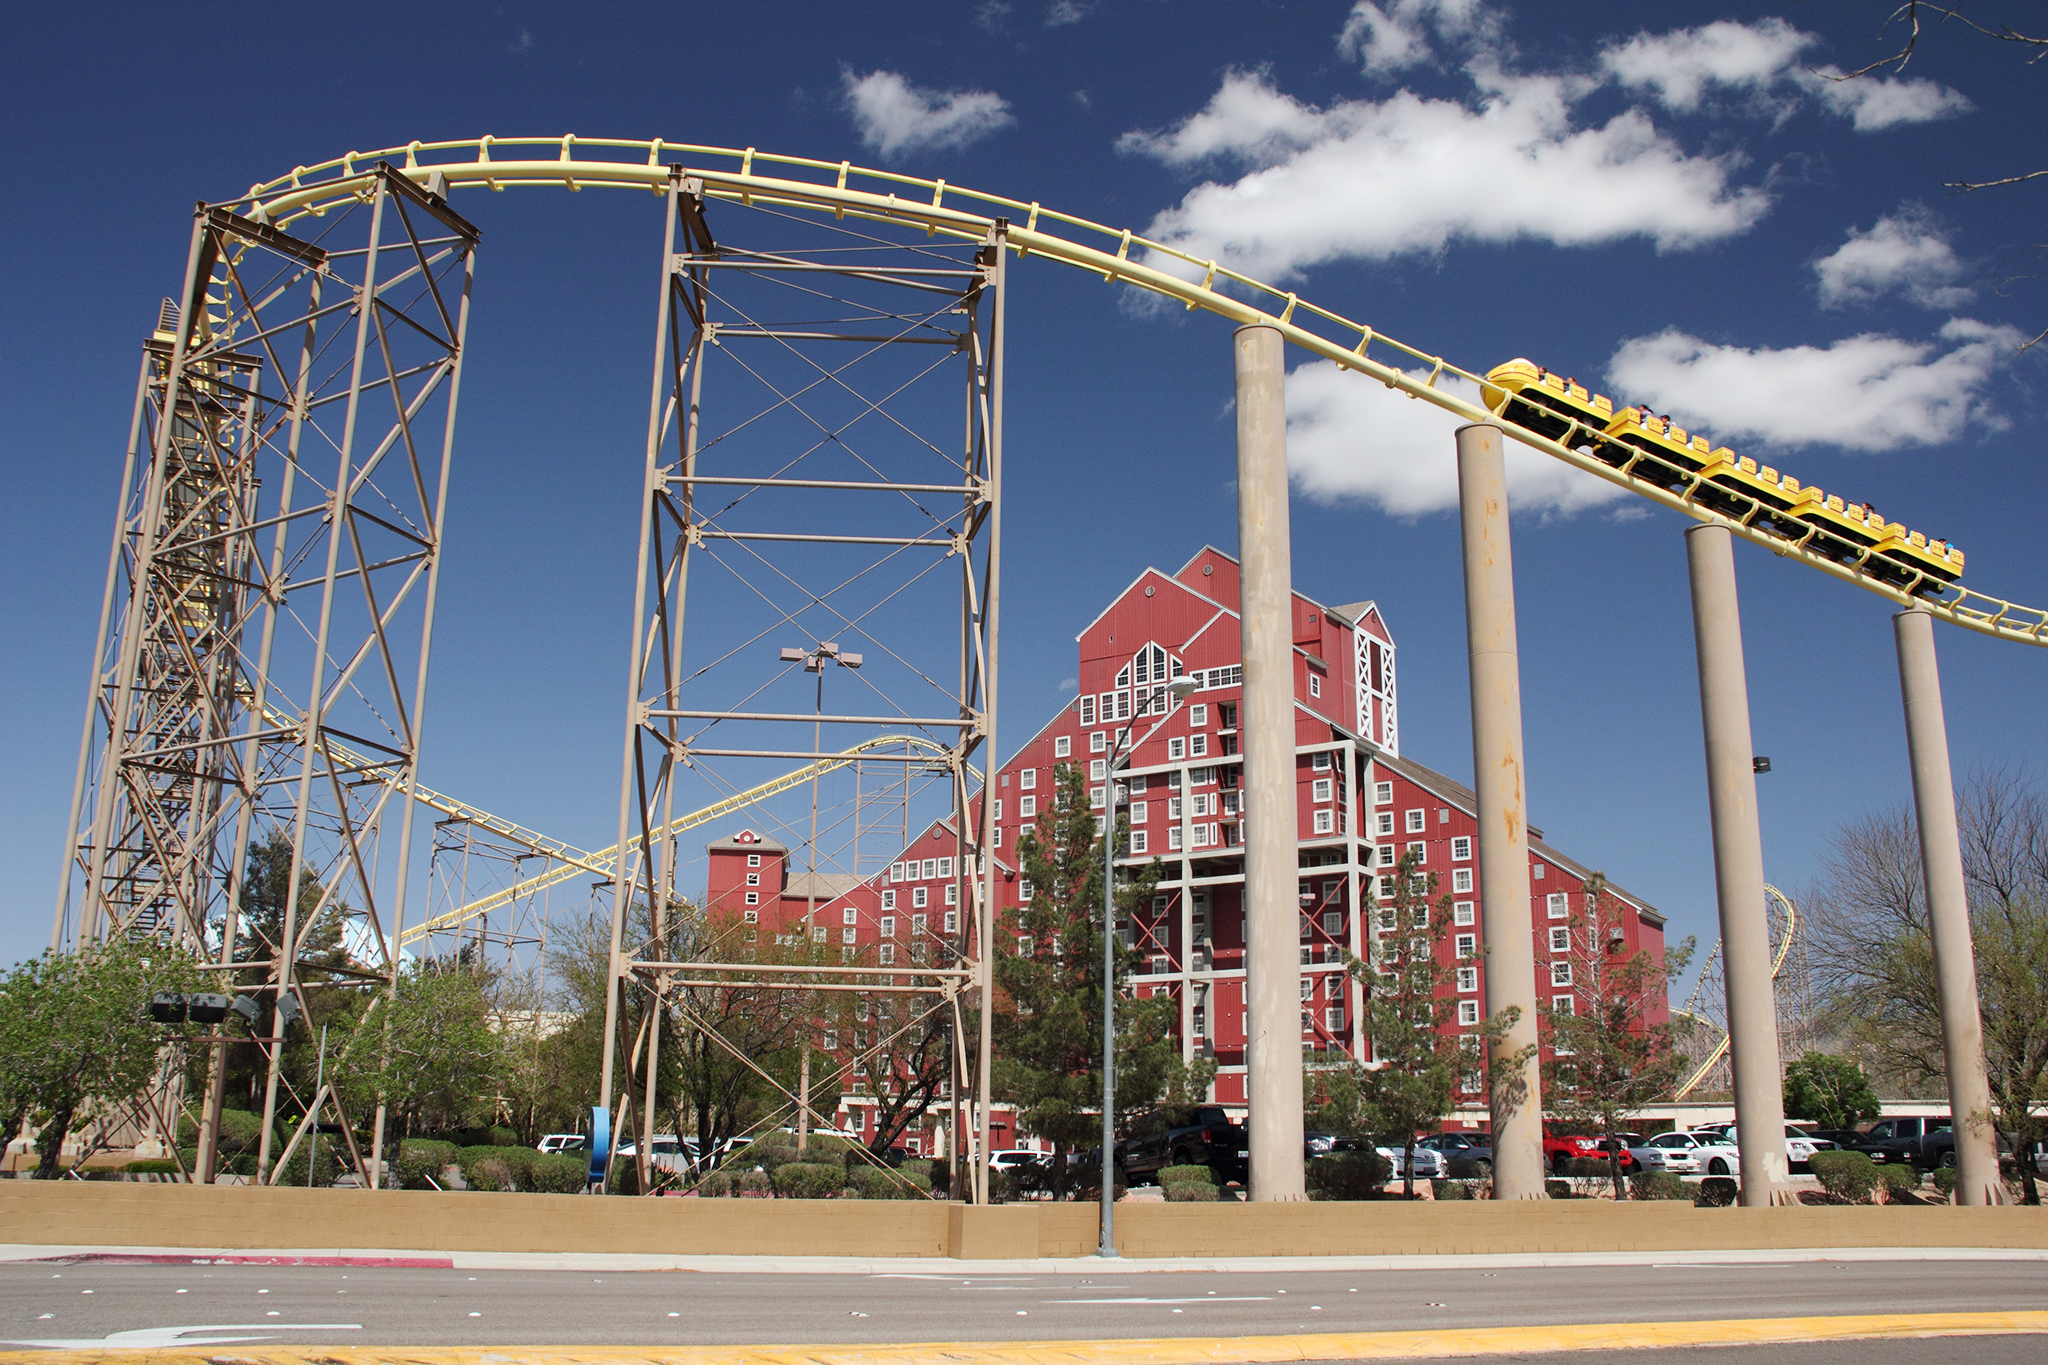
(268, 614)
(793, 466)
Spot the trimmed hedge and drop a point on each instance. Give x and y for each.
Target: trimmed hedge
(808, 1180)
(557, 1173)
(1192, 1192)
(421, 1160)
(1717, 1192)
(1900, 1178)
(1945, 1182)
(1452, 1189)
(717, 1185)
(1658, 1185)
(1348, 1175)
(486, 1168)
(1845, 1175)
(1180, 1175)
(874, 1183)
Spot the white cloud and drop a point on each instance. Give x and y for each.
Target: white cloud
(1063, 12)
(1908, 251)
(1684, 65)
(1863, 393)
(1350, 439)
(1385, 36)
(894, 116)
(1371, 180)
(1872, 103)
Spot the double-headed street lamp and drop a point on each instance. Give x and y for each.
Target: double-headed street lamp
(1180, 689)
(814, 661)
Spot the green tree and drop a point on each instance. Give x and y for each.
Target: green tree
(1048, 970)
(1829, 1091)
(429, 1050)
(76, 1036)
(1874, 962)
(1608, 1059)
(1410, 1007)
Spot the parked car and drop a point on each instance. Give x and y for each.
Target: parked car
(1209, 1139)
(562, 1142)
(1464, 1158)
(1918, 1140)
(1559, 1152)
(1718, 1154)
(1844, 1139)
(1016, 1159)
(1429, 1163)
(1623, 1146)
(1678, 1153)
(1799, 1148)
(666, 1151)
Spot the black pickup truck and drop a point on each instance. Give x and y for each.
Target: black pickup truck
(1207, 1138)
(1925, 1142)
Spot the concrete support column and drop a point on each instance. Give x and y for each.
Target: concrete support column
(1948, 912)
(1738, 868)
(1272, 992)
(1514, 1081)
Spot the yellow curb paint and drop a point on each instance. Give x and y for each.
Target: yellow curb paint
(1474, 1341)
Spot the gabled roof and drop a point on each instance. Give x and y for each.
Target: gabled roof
(1120, 596)
(747, 841)
(1356, 612)
(829, 885)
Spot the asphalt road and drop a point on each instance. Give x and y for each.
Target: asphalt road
(41, 1302)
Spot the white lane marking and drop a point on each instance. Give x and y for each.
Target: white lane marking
(1208, 1298)
(148, 1338)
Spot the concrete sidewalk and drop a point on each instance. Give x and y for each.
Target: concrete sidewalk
(949, 1268)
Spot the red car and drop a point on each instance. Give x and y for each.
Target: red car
(1560, 1152)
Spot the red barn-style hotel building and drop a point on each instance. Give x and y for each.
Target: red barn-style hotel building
(1360, 806)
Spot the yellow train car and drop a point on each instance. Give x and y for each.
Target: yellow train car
(1550, 405)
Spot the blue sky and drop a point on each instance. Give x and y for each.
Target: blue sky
(1689, 214)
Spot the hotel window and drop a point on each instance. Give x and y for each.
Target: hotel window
(1098, 742)
(1465, 945)
(1135, 781)
(1202, 835)
(1315, 685)
(888, 900)
(1462, 913)
(1558, 905)
(848, 935)
(753, 860)
(1201, 802)
(1468, 1013)
(916, 925)
(1173, 807)
(1023, 945)
(1325, 822)
(1320, 760)
(1028, 779)
(1198, 746)
(1560, 973)
(896, 873)
(886, 954)
(1024, 889)
(888, 926)
(1140, 812)
(753, 879)
(1418, 820)
(1173, 838)
(1560, 940)
(1536, 872)
(831, 1040)
(1095, 799)
(1137, 841)
(1176, 749)
(753, 898)
(1461, 848)
(1333, 922)
(952, 893)
(1197, 776)
(1417, 850)
(1027, 806)
(1461, 880)
(1386, 855)
(818, 933)
(1382, 793)
(1564, 1004)
(1319, 790)
(1386, 920)
(1333, 1018)
(849, 915)
(1383, 823)
(945, 867)
(952, 921)
(930, 869)
(920, 896)
(999, 836)
(1087, 710)
(999, 808)
(1062, 746)
(1198, 715)
(1095, 770)
(1468, 979)
(1173, 780)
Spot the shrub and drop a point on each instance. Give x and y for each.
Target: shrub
(1557, 1189)
(421, 1160)
(716, 1185)
(558, 1173)
(883, 1183)
(1945, 1182)
(1845, 1175)
(489, 1173)
(153, 1166)
(1192, 1192)
(941, 1176)
(808, 1180)
(756, 1183)
(1348, 1175)
(1899, 1177)
(1658, 1185)
(1170, 1176)
(1451, 1189)
(331, 1163)
(1717, 1192)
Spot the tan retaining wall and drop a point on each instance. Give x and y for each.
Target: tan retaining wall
(95, 1213)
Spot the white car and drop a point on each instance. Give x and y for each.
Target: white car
(1799, 1146)
(563, 1142)
(1718, 1154)
(1429, 1163)
(1014, 1157)
(1678, 1153)
(666, 1151)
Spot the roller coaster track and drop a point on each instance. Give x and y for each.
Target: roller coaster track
(572, 863)
(1778, 956)
(749, 176)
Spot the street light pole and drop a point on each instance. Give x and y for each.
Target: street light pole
(1180, 689)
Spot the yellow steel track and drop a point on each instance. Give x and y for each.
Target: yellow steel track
(1118, 255)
